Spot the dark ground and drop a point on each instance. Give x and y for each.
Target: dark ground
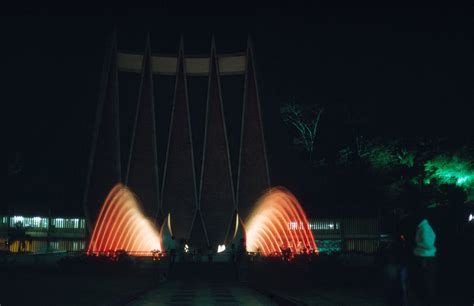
(52, 286)
(328, 280)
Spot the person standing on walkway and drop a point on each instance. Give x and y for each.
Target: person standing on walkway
(172, 251)
(241, 256)
(232, 254)
(424, 266)
(210, 254)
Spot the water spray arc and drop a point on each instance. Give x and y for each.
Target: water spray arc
(269, 226)
(121, 225)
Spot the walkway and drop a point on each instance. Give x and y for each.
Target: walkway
(202, 293)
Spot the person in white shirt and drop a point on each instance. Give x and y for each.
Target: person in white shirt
(424, 270)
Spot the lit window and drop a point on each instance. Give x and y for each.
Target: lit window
(58, 222)
(54, 245)
(16, 221)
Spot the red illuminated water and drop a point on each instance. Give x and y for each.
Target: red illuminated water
(269, 226)
(123, 226)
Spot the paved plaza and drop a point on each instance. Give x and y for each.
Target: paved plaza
(202, 293)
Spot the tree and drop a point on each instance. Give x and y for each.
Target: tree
(450, 169)
(379, 155)
(305, 120)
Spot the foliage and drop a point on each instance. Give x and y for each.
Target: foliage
(379, 155)
(397, 169)
(447, 169)
(389, 171)
(305, 120)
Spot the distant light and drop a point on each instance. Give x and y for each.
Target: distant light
(292, 225)
(37, 219)
(220, 248)
(186, 248)
(18, 219)
(471, 217)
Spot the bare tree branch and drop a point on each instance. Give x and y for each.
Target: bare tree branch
(305, 121)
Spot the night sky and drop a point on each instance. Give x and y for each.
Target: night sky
(407, 71)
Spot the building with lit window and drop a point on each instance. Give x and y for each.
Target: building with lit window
(40, 234)
(344, 234)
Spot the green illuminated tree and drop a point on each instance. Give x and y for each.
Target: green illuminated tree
(304, 119)
(454, 170)
(379, 155)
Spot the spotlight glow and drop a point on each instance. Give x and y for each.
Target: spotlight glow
(123, 226)
(267, 227)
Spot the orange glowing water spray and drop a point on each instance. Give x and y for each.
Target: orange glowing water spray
(270, 224)
(123, 226)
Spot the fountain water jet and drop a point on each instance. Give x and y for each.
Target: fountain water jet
(123, 226)
(269, 226)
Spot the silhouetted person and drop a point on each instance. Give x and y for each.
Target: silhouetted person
(258, 256)
(395, 271)
(172, 251)
(452, 247)
(404, 256)
(232, 254)
(210, 254)
(194, 254)
(241, 250)
(388, 270)
(199, 255)
(241, 254)
(181, 250)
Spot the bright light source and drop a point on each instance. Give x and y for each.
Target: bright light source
(220, 248)
(471, 217)
(186, 248)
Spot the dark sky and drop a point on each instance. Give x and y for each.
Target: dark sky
(409, 71)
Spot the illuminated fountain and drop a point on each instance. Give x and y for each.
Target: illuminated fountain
(123, 226)
(278, 220)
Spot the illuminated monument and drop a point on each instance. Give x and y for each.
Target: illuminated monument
(202, 210)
